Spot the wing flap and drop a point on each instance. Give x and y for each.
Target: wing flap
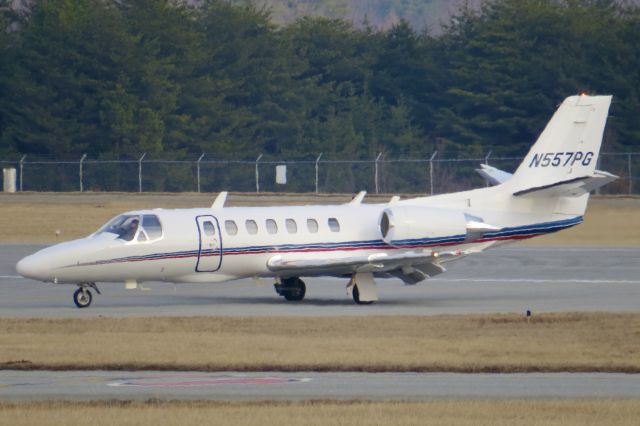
(411, 266)
(414, 274)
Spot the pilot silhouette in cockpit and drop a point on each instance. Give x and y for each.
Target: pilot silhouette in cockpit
(131, 231)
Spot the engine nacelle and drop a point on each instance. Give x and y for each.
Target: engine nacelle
(401, 223)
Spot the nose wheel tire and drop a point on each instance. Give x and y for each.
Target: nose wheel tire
(82, 298)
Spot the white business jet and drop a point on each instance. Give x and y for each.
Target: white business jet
(409, 239)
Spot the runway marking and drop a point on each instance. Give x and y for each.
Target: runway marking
(566, 249)
(10, 276)
(188, 381)
(534, 281)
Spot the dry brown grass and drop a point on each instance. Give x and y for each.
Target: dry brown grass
(565, 413)
(611, 222)
(463, 343)
(35, 217)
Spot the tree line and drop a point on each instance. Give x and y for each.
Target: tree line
(115, 78)
(382, 14)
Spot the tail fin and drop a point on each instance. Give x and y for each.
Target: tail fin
(564, 157)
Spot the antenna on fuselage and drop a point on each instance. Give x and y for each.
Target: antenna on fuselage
(218, 203)
(358, 198)
(394, 200)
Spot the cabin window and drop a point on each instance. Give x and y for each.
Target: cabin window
(252, 226)
(292, 226)
(312, 225)
(334, 225)
(231, 227)
(151, 226)
(209, 229)
(272, 226)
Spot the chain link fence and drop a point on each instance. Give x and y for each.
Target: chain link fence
(431, 175)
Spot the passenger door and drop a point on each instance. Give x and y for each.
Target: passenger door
(210, 244)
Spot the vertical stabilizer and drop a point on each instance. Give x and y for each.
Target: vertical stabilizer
(568, 148)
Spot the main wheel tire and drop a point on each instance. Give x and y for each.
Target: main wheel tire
(295, 291)
(82, 298)
(356, 297)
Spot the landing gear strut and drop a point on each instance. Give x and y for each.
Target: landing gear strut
(355, 293)
(293, 289)
(362, 288)
(82, 296)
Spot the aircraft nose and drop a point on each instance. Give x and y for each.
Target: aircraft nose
(30, 267)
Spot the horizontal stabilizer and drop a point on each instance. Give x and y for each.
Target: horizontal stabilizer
(572, 188)
(492, 175)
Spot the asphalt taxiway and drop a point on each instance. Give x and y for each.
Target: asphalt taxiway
(143, 385)
(510, 279)
(514, 279)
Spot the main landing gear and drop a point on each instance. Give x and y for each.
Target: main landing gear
(293, 289)
(82, 296)
(362, 288)
(355, 294)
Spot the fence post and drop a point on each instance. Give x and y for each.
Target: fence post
(198, 170)
(630, 176)
(376, 171)
(140, 172)
(431, 171)
(81, 161)
(317, 161)
(21, 167)
(258, 173)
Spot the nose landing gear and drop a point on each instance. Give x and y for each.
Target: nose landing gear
(82, 297)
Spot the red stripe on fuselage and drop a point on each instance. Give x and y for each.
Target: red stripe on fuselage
(324, 250)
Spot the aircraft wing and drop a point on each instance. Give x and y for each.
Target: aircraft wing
(410, 266)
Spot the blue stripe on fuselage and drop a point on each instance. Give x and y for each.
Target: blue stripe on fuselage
(505, 233)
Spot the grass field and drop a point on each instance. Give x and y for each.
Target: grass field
(461, 343)
(36, 217)
(326, 413)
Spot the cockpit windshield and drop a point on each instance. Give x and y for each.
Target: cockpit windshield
(127, 227)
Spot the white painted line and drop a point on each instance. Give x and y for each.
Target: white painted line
(567, 249)
(532, 280)
(10, 276)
